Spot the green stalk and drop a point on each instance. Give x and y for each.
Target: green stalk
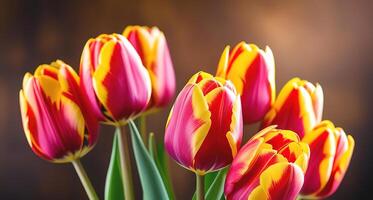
(125, 163)
(200, 187)
(85, 180)
(144, 134)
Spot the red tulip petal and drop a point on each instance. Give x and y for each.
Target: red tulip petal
(279, 181)
(188, 124)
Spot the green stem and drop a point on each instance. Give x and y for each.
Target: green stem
(125, 163)
(144, 134)
(85, 180)
(200, 187)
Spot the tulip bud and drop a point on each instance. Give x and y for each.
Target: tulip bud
(298, 107)
(114, 79)
(331, 152)
(270, 165)
(151, 45)
(58, 126)
(204, 128)
(252, 71)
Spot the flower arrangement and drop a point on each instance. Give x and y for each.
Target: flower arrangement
(125, 77)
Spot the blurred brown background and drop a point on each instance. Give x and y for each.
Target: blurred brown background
(329, 42)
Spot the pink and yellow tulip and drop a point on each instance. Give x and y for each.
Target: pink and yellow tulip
(298, 107)
(271, 165)
(58, 125)
(151, 45)
(331, 151)
(114, 78)
(204, 128)
(252, 71)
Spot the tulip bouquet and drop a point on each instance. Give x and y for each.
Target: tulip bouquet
(125, 77)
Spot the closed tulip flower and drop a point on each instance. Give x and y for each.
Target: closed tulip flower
(271, 165)
(204, 128)
(151, 45)
(298, 107)
(331, 151)
(252, 71)
(114, 78)
(57, 125)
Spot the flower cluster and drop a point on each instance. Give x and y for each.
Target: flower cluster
(304, 156)
(129, 75)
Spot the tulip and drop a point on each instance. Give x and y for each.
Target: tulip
(331, 152)
(114, 78)
(151, 45)
(271, 165)
(252, 71)
(298, 107)
(204, 127)
(57, 126)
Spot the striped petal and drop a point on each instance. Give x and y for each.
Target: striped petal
(270, 166)
(279, 181)
(51, 103)
(69, 82)
(151, 45)
(88, 64)
(120, 69)
(322, 144)
(329, 164)
(241, 164)
(162, 74)
(340, 166)
(204, 128)
(215, 151)
(187, 126)
(55, 126)
(252, 72)
(293, 109)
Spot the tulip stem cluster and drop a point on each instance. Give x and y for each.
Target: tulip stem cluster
(200, 187)
(125, 161)
(85, 180)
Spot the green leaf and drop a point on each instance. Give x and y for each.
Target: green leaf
(209, 179)
(216, 189)
(151, 180)
(114, 183)
(214, 185)
(158, 153)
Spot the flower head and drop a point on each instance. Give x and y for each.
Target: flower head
(58, 125)
(204, 128)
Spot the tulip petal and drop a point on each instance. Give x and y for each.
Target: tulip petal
(258, 92)
(151, 45)
(223, 63)
(241, 58)
(279, 181)
(162, 73)
(340, 166)
(215, 145)
(241, 164)
(188, 125)
(198, 77)
(121, 69)
(69, 82)
(88, 64)
(234, 136)
(55, 124)
(245, 171)
(293, 109)
(322, 144)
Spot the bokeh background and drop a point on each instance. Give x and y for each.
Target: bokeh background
(330, 42)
